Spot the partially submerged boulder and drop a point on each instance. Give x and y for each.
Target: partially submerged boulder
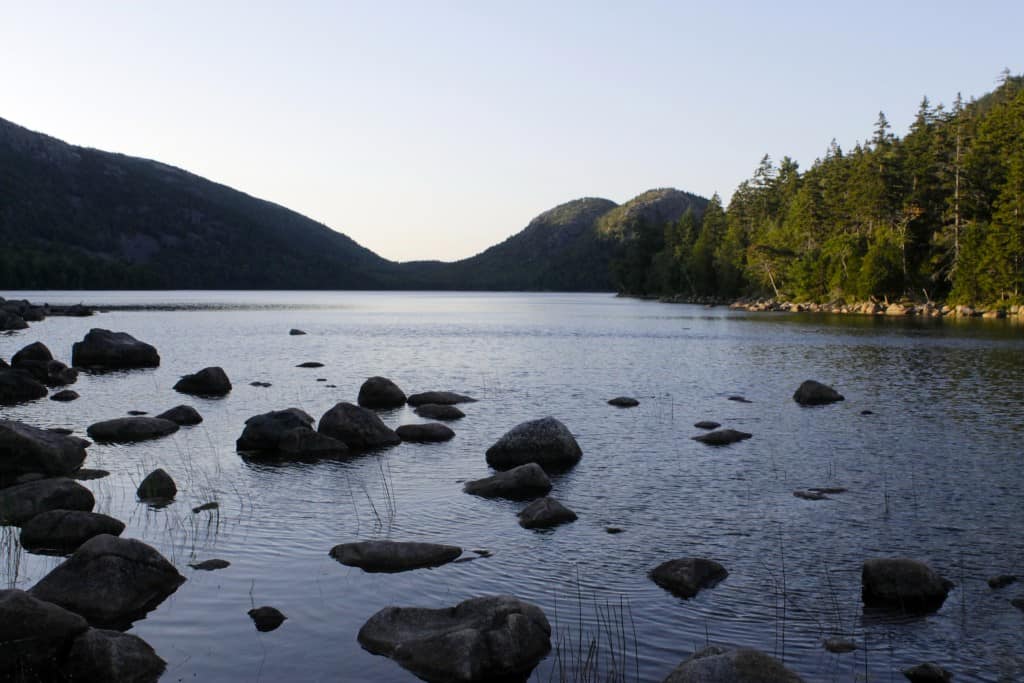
(927, 673)
(63, 531)
(812, 393)
(707, 424)
(295, 332)
(210, 565)
(17, 386)
(264, 432)
(545, 513)
(65, 396)
(722, 437)
(22, 502)
(211, 381)
(624, 402)
(519, 483)
(430, 432)
(37, 360)
(438, 411)
(24, 448)
(131, 429)
(901, 583)
(394, 556)
(101, 655)
(380, 392)
(481, 639)
(182, 415)
(358, 428)
(687, 576)
(106, 350)
(34, 635)
(546, 442)
(715, 664)
(157, 487)
(443, 398)
(266, 618)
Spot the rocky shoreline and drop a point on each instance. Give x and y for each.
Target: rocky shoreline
(929, 309)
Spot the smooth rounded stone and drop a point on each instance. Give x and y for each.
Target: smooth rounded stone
(547, 442)
(519, 483)
(182, 415)
(296, 332)
(310, 364)
(101, 656)
(810, 495)
(715, 664)
(812, 393)
(430, 432)
(441, 398)
(839, 645)
(545, 513)
(63, 531)
(927, 673)
(65, 396)
(394, 556)
(903, 584)
(106, 350)
(358, 428)
(439, 411)
(34, 635)
(264, 432)
(24, 448)
(624, 402)
(722, 437)
(266, 618)
(157, 486)
(210, 565)
(34, 352)
(707, 424)
(481, 639)
(131, 429)
(212, 381)
(1001, 581)
(306, 443)
(687, 576)
(22, 502)
(17, 386)
(380, 392)
(110, 580)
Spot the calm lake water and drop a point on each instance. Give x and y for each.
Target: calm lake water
(935, 473)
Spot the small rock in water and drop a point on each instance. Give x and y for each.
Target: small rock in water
(260, 384)
(437, 411)
(266, 618)
(1001, 581)
(1018, 603)
(182, 415)
(812, 393)
(827, 489)
(211, 565)
(85, 474)
(867, 412)
(810, 495)
(206, 506)
(295, 332)
(430, 432)
(157, 486)
(624, 402)
(310, 364)
(211, 381)
(686, 576)
(136, 413)
(65, 395)
(545, 513)
(613, 530)
(321, 379)
(722, 437)
(707, 424)
(740, 399)
(840, 645)
(927, 673)
(483, 553)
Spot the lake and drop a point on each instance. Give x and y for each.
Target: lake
(935, 473)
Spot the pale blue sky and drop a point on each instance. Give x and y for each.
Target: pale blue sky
(435, 129)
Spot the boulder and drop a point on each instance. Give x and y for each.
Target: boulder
(546, 442)
(394, 556)
(623, 402)
(707, 424)
(210, 565)
(519, 483)
(442, 398)
(687, 576)
(481, 639)
(34, 352)
(812, 393)
(106, 350)
(157, 486)
(37, 360)
(11, 321)
(182, 415)
(439, 411)
(904, 584)
(266, 618)
(65, 396)
(306, 443)
(34, 636)
(24, 448)
(110, 580)
(63, 531)
(264, 432)
(212, 381)
(927, 673)
(721, 437)
(358, 428)
(430, 432)
(380, 392)
(17, 386)
(715, 664)
(545, 513)
(130, 429)
(100, 656)
(22, 502)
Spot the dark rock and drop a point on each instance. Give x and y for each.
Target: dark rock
(439, 411)
(380, 392)
(545, 513)
(182, 415)
(1001, 581)
(17, 386)
(12, 321)
(519, 483)
(264, 432)
(482, 639)
(88, 474)
(34, 352)
(205, 506)
(37, 360)
(810, 495)
(65, 396)
(295, 332)
(64, 431)
(394, 556)
(212, 381)
(739, 399)
(357, 427)
(812, 393)
(430, 432)
(101, 656)
(137, 413)
(903, 584)
(310, 364)
(827, 489)
(867, 412)
(260, 384)
(157, 486)
(441, 398)
(24, 448)
(266, 618)
(103, 349)
(613, 530)
(306, 443)
(839, 645)
(34, 636)
(22, 502)
(210, 565)
(624, 402)
(546, 442)
(1018, 603)
(321, 379)
(716, 664)
(63, 531)
(57, 374)
(131, 429)
(110, 580)
(707, 424)
(927, 673)
(687, 576)
(722, 437)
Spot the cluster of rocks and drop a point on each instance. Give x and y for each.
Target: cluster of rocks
(900, 308)
(16, 314)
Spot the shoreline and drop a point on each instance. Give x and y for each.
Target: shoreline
(868, 308)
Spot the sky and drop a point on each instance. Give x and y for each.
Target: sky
(432, 130)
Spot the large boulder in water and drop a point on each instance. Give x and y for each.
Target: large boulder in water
(545, 513)
(100, 655)
(686, 576)
(106, 350)
(110, 580)
(716, 664)
(380, 392)
(34, 636)
(17, 386)
(63, 531)
(22, 502)
(358, 428)
(519, 483)
(812, 393)
(546, 442)
(24, 448)
(481, 639)
(394, 556)
(157, 487)
(131, 429)
(264, 432)
(901, 583)
(34, 352)
(212, 381)
(443, 398)
(37, 360)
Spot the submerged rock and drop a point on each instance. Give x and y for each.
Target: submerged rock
(100, 656)
(63, 531)
(210, 565)
(438, 411)
(545, 513)
(430, 432)
(443, 398)
(103, 349)
(707, 424)
(266, 618)
(927, 673)
(394, 556)
(65, 396)
(839, 645)
(22, 502)
(546, 442)
(131, 429)
(624, 402)
(481, 639)
(687, 576)
(812, 393)
(722, 437)
(212, 381)
(519, 483)
(24, 448)
(358, 428)
(1001, 581)
(380, 392)
(716, 664)
(903, 584)
(182, 415)
(810, 494)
